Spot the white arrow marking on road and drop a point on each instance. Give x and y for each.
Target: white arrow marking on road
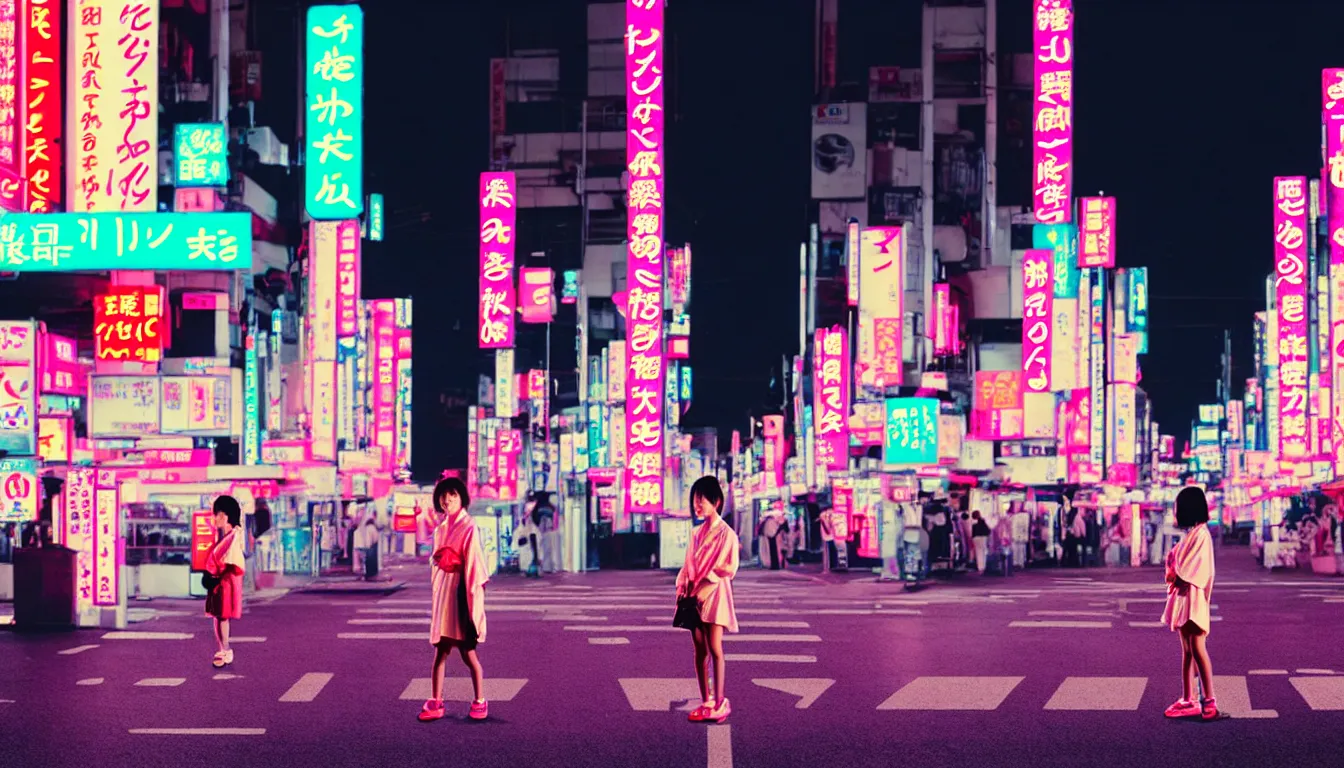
(227, 676)
(659, 694)
(162, 682)
(90, 681)
(76, 649)
(458, 689)
(1234, 698)
(720, 746)
(807, 689)
(307, 687)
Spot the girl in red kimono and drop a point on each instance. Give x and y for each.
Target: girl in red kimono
(224, 562)
(458, 608)
(707, 575)
(1189, 596)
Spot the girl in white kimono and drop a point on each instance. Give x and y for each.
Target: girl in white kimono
(458, 609)
(1189, 592)
(707, 575)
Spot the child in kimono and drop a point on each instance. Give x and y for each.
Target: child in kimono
(458, 609)
(707, 575)
(224, 563)
(1189, 591)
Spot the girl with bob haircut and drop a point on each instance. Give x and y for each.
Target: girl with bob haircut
(1189, 592)
(705, 594)
(223, 578)
(458, 607)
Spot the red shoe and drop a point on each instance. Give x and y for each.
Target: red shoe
(480, 709)
(433, 710)
(701, 713)
(720, 711)
(1208, 709)
(1183, 708)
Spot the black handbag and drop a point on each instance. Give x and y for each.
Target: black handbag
(209, 581)
(688, 613)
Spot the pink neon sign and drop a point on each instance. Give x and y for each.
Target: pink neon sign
(536, 294)
(385, 378)
(644, 398)
(1038, 295)
(1052, 116)
(1096, 232)
(832, 397)
(1290, 286)
(1332, 114)
(498, 301)
(347, 278)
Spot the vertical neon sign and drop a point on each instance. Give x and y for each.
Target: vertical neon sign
(40, 76)
(498, 300)
(1037, 317)
(1332, 109)
(1290, 289)
(1052, 118)
(644, 400)
(333, 177)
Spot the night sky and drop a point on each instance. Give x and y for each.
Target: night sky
(1184, 113)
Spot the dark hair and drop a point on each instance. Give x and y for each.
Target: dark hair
(708, 488)
(454, 486)
(1191, 507)
(229, 506)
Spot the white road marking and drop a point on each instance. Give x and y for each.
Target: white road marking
(198, 731)
(622, 628)
(162, 682)
(227, 676)
(782, 658)
(952, 693)
(1098, 694)
(403, 601)
(659, 694)
(857, 612)
(572, 617)
(1060, 624)
(90, 681)
(1102, 614)
(1323, 694)
(424, 611)
(1147, 624)
(307, 687)
(386, 621)
(1267, 672)
(247, 639)
(608, 641)
(383, 636)
(1315, 671)
(807, 689)
(76, 649)
(458, 689)
(770, 638)
(720, 746)
(773, 624)
(125, 635)
(1234, 698)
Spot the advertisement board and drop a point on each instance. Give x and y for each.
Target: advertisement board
(124, 406)
(18, 387)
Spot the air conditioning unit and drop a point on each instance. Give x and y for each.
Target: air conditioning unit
(270, 150)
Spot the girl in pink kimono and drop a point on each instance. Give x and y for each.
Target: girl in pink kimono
(1189, 591)
(458, 609)
(224, 564)
(707, 575)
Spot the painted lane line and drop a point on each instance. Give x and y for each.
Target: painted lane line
(1147, 624)
(773, 624)
(1102, 614)
(458, 689)
(385, 611)
(90, 681)
(770, 638)
(308, 687)
(630, 628)
(1267, 672)
(1098, 694)
(125, 635)
(1060, 624)
(383, 636)
(781, 658)
(1234, 698)
(161, 682)
(608, 641)
(76, 649)
(938, 693)
(386, 621)
(1323, 694)
(571, 617)
(807, 689)
(227, 676)
(720, 746)
(246, 639)
(197, 731)
(1310, 671)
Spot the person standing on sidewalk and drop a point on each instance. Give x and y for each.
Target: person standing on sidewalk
(980, 540)
(707, 576)
(458, 603)
(224, 566)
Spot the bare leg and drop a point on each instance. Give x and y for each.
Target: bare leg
(441, 652)
(701, 654)
(1201, 658)
(223, 633)
(473, 663)
(714, 638)
(1187, 669)
(219, 636)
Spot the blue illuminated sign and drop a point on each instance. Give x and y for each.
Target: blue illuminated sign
(98, 242)
(333, 175)
(200, 155)
(910, 432)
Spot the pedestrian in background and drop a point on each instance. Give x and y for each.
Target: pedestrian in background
(980, 539)
(705, 592)
(224, 566)
(1189, 592)
(458, 607)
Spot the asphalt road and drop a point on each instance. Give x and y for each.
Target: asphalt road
(1058, 668)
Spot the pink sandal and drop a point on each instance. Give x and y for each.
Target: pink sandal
(1183, 708)
(720, 711)
(1208, 709)
(701, 713)
(431, 711)
(480, 709)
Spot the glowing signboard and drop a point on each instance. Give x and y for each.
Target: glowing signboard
(506, 396)
(333, 178)
(77, 526)
(200, 155)
(251, 400)
(98, 242)
(383, 343)
(1052, 115)
(498, 214)
(107, 548)
(11, 134)
(202, 537)
(536, 294)
(40, 77)
(347, 278)
(18, 387)
(375, 221)
(910, 436)
(881, 305)
(1290, 289)
(114, 100)
(19, 490)
(1332, 112)
(1096, 233)
(831, 396)
(127, 321)
(569, 289)
(1037, 318)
